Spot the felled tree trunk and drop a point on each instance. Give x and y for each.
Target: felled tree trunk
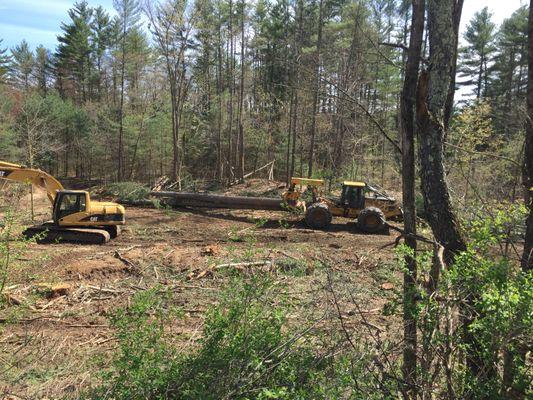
(201, 200)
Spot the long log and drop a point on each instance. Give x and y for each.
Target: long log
(178, 199)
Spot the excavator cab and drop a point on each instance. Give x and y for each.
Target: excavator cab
(67, 203)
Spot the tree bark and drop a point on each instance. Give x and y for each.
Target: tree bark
(527, 258)
(120, 161)
(219, 168)
(456, 18)
(433, 90)
(407, 124)
(231, 58)
(296, 77)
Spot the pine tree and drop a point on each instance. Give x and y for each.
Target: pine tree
(508, 73)
(101, 38)
(477, 55)
(22, 63)
(43, 68)
(5, 60)
(207, 76)
(73, 56)
(129, 14)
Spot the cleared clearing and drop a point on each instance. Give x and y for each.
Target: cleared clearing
(54, 331)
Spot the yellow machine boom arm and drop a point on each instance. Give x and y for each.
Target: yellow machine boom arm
(15, 172)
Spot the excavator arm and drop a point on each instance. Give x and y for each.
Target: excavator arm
(41, 179)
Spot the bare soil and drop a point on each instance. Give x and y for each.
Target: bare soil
(54, 321)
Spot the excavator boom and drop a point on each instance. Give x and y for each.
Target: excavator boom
(41, 179)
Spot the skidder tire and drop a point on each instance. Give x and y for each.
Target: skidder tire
(371, 220)
(318, 216)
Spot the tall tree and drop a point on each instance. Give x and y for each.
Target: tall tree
(73, 55)
(477, 55)
(316, 88)
(22, 63)
(101, 35)
(507, 83)
(527, 259)
(407, 124)
(297, 47)
(129, 14)
(240, 135)
(172, 28)
(43, 68)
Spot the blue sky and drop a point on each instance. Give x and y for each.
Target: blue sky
(38, 21)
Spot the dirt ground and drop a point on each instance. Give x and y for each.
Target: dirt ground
(54, 321)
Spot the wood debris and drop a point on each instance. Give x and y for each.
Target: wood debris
(131, 267)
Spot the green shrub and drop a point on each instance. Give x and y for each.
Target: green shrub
(494, 299)
(12, 245)
(248, 351)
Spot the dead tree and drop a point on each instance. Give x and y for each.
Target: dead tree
(407, 122)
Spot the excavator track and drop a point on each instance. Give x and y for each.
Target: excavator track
(49, 233)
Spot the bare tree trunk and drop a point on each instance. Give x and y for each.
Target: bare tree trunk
(230, 100)
(219, 171)
(315, 93)
(407, 121)
(120, 161)
(296, 77)
(289, 138)
(240, 163)
(175, 122)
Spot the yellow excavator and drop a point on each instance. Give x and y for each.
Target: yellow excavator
(76, 218)
(370, 205)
